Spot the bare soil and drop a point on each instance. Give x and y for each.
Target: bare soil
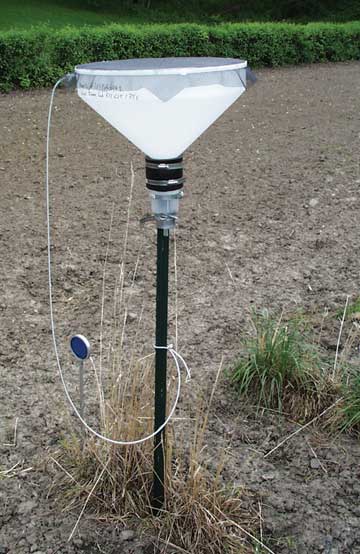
(270, 218)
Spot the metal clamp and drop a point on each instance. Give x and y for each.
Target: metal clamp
(148, 218)
(164, 165)
(167, 183)
(158, 218)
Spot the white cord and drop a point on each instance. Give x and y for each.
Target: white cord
(176, 356)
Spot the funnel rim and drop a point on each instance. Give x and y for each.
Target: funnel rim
(94, 69)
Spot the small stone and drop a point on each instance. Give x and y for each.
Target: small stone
(315, 463)
(127, 535)
(131, 316)
(68, 286)
(313, 202)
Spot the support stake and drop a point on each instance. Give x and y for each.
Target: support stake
(162, 286)
(81, 387)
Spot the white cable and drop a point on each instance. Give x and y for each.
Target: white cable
(173, 352)
(176, 356)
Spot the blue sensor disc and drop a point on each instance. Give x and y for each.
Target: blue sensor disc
(80, 347)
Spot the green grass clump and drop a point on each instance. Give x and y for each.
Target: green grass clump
(280, 367)
(347, 416)
(353, 308)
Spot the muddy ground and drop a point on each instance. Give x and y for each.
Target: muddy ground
(270, 218)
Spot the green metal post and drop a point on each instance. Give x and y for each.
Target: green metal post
(162, 287)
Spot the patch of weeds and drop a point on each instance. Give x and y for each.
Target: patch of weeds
(281, 367)
(259, 550)
(287, 542)
(347, 415)
(352, 310)
(201, 514)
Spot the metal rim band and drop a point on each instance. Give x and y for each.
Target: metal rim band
(164, 188)
(164, 165)
(169, 182)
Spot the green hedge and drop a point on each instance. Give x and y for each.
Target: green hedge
(39, 56)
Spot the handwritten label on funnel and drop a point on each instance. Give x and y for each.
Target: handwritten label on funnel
(115, 93)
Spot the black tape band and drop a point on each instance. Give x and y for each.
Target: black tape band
(164, 175)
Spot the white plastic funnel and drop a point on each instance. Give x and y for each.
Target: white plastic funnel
(162, 104)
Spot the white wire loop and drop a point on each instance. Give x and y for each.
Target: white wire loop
(178, 359)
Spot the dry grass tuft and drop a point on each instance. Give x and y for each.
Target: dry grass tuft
(204, 516)
(201, 513)
(123, 490)
(346, 418)
(303, 405)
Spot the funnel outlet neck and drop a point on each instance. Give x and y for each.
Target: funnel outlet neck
(164, 175)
